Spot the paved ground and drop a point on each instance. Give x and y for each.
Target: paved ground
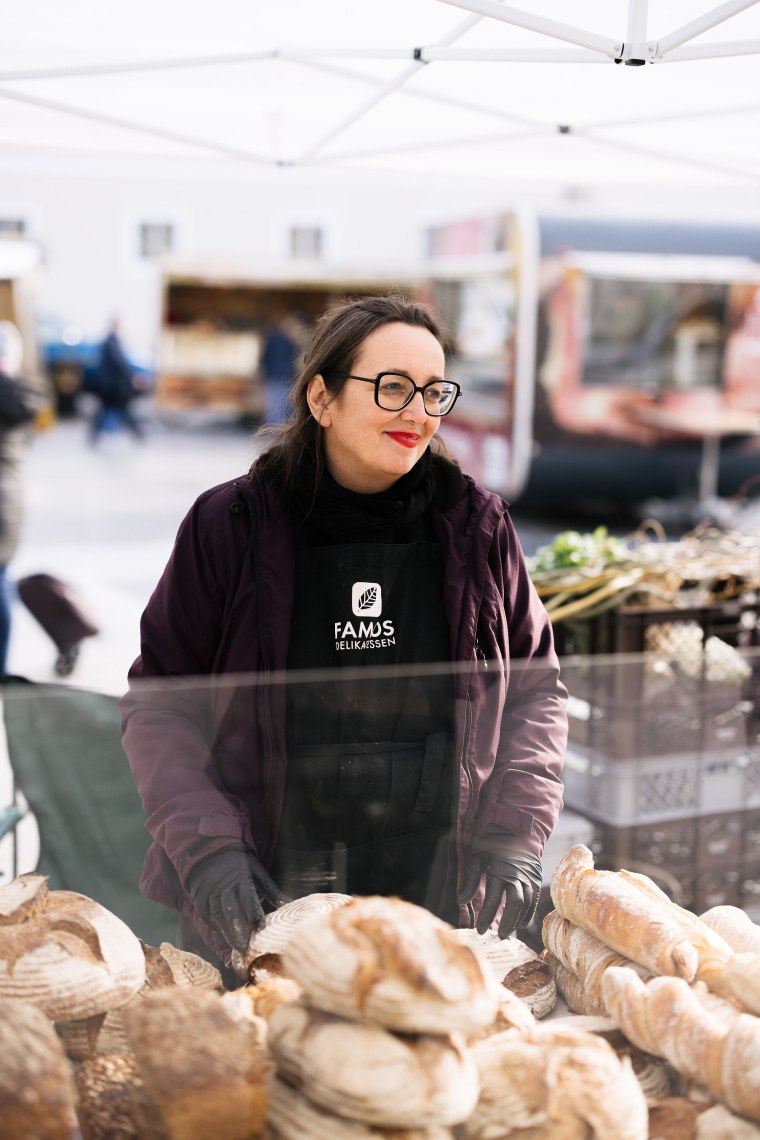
(103, 519)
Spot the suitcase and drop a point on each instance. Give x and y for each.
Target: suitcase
(60, 611)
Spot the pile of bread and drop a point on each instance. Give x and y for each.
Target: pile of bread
(370, 1018)
(681, 988)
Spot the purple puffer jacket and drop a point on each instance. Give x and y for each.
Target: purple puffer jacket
(208, 752)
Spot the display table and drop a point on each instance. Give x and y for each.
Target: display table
(710, 425)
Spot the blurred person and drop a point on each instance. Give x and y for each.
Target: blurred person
(115, 388)
(279, 364)
(20, 402)
(353, 540)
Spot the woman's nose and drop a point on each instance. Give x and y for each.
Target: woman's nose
(416, 407)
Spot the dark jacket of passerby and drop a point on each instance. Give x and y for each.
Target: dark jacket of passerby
(20, 401)
(114, 381)
(210, 759)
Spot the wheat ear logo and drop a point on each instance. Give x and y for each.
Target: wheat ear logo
(366, 599)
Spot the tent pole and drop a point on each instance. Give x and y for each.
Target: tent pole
(385, 90)
(637, 22)
(535, 23)
(703, 23)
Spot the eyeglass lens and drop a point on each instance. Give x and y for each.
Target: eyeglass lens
(395, 390)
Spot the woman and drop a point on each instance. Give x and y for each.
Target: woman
(351, 542)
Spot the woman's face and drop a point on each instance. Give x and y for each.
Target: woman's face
(366, 448)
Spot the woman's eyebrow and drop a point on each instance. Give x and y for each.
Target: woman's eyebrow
(405, 372)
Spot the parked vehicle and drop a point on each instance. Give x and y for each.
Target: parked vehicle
(214, 322)
(601, 359)
(71, 362)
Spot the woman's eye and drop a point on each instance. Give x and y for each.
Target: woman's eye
(392, 386)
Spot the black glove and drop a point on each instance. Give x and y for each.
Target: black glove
(226, 890)
(511, 873)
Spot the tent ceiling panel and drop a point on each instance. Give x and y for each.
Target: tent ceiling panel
(295, 82)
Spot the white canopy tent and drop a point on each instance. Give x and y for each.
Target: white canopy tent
(600, 92)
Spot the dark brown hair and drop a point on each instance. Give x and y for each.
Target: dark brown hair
(334, 347)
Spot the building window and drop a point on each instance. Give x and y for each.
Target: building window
(12, 226)
(156, 238)
(306, 241)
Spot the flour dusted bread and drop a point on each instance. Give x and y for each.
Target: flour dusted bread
(262, 956)
(735, 927)
(393, 963)
(203, 1073)
(63, 952)
(164, 966)
(37, 1092)
(633, 916)
(106, 1086)
(703, 1036)
(717, 1123)
(366, 1073)
(262, 999)
(293, 1117)
(555, 1082)
(585, 957)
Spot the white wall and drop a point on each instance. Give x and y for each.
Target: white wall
(85, 212)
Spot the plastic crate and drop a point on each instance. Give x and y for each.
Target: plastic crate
(635, 791)
(686, 718)
(694, 844)
(672, 639)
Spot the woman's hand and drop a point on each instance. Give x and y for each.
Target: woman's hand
(512, 874)
(227, 888)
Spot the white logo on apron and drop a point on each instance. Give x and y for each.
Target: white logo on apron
(366, 599)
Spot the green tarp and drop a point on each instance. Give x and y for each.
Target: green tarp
(65, 751)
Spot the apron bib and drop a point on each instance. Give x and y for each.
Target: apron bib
(368, 805)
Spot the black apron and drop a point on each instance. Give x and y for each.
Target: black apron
(368, 805)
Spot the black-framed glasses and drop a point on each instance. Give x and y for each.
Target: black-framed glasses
(393, 391)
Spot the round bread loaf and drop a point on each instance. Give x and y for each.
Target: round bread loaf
(363, 1072)
(261, 958)
(64, 952)
(37, 1093)
(386, 961)
(293, 1117)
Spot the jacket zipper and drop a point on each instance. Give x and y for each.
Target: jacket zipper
(463, 766)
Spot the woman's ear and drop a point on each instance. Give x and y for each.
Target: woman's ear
(318, 399)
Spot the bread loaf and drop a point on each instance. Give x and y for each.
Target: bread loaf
(106, 1107)
(363, 1072)
(293, 1117)
(203, 1073)
(586, 956)
(633, 916)
(572, 989)
(395, 964)
(63, 952)
(263, 998)
(717, 1123)
(701, 1035)
(556, 1082)
(735, 927)
(673, 1118)
(261, 959)
(37, 1092)
(533, 983)
(164, 966)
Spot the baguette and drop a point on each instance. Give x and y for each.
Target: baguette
(735, 927)
(569, 985)
(704, 1038)
(634, 917)
(586, 956)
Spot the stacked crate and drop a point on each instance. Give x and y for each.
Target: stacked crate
(664, 745)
